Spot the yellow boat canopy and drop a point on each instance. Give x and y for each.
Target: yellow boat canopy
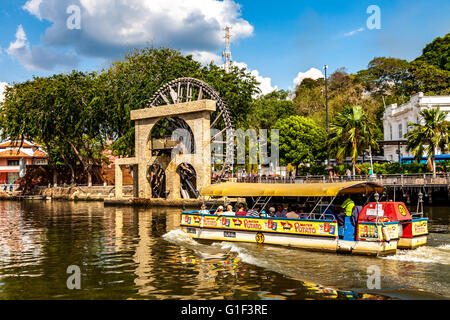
(233, 189)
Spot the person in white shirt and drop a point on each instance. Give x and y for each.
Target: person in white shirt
(203, 210)
(229, 211)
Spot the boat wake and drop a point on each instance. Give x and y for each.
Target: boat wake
(426, 254)
(207, 252)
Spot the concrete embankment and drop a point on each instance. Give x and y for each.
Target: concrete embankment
(97, 193)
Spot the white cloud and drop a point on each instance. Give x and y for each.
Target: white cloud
(312, 73)
(38, 57)
(265, 82)
(111, 28)
(353, 32)
(205, 57)
(3, 86)
(32, 7)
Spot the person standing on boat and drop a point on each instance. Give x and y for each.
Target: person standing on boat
(348, 206)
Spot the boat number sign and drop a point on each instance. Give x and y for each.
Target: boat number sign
(259, 238)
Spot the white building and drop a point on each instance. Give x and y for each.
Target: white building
(396, 119)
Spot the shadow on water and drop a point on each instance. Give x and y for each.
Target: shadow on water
(135, 253)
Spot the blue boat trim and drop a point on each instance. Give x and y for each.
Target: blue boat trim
(252, 217)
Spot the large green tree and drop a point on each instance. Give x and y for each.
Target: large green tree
(432, 132)
(437, 53)
(63, 114)
(130, 83)
(266, 110)
(301, 140)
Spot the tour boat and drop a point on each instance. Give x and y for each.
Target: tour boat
(379, 228)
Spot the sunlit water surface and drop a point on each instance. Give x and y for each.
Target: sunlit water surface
(131, 253)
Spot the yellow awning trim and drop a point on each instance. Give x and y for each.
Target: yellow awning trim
(233, 189)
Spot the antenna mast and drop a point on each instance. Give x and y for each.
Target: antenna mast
(227, 53)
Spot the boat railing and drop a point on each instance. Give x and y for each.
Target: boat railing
(416, 215)
(320, 216)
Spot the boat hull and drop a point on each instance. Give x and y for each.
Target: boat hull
(330, 244)
(412, 243)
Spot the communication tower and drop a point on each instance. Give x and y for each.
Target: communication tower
(227, 53)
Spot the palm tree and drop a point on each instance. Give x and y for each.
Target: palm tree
(351, 134)
(429, 134)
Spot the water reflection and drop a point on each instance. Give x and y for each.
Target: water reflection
(131, 253)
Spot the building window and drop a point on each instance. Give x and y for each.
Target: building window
(400, 131)
(390, 129)
(13, 163)
(40, 161)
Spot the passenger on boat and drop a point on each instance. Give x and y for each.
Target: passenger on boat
(346, 209)
(203, 210)
(281, 212)
(229, 211)
(271, 212)
(292, 214)
(253, 212)
(347, 206)
(241, 211)
(219, 211)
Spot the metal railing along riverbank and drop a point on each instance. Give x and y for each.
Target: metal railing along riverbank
(442, 179)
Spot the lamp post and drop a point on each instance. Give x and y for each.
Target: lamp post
(325, 67)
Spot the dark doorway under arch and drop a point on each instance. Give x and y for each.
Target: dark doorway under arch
(188, 181)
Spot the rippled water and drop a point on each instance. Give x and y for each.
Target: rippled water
(131, 253)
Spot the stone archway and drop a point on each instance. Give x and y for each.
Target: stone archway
(184, 99)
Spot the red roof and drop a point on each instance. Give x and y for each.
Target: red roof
(15, 144)
(13, 154)
(39, 154)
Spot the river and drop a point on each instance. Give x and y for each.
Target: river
(136, 253)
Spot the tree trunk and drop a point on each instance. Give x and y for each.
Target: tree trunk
(433, 162)
(354, 168)
(72, 180)
(55, 177)
(89, 176)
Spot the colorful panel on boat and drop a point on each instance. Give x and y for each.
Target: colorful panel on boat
(419, 227)
(372, 231)
(304, 227)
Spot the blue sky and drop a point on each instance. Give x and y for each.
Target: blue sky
(276, 40)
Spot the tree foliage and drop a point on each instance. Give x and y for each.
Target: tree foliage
(129, 84)
(301, 140)
(351, 134)
(437, 53)
(426, 137)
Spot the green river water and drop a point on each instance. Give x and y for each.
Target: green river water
(136, 253)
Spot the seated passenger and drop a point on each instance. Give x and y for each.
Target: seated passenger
(219, 211)
(271, 212)
(253, 212)
(292, 214)
(281, 212)
(229, 211)
(241, 211)
(203, 209)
